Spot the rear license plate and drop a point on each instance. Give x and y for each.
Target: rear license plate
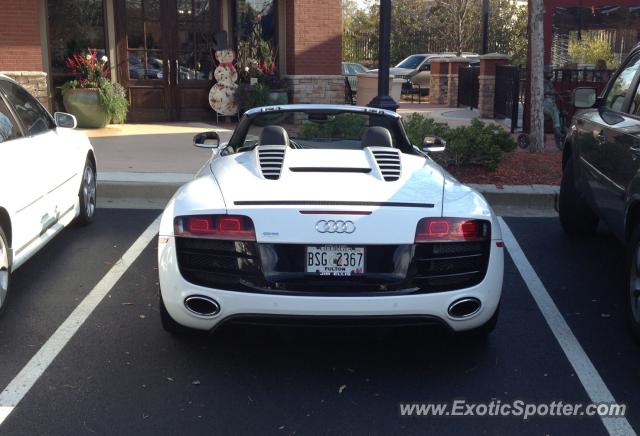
(335, 260)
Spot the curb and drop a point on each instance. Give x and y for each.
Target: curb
(147, 186)
(520, 196)
(161, 186)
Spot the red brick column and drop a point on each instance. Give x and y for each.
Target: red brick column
(452, 80)
(438, 80)
(488, 64)
(314, 51)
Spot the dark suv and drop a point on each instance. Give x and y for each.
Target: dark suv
(601, 163)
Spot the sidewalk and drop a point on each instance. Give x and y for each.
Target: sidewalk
(152, 148)
(453, 116)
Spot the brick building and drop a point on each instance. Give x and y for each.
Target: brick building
(160, 50)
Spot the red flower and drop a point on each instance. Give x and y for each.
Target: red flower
(87, 68)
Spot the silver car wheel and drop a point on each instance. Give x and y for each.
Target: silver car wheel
(89, 191)
(4, 272)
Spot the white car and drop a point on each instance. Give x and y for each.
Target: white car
(327, 213)
(47, 178)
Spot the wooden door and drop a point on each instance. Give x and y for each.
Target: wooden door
(165, 57)
(195, 25)
(144, 49)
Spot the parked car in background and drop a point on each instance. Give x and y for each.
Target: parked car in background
(350, 71)
(338, 218)
(47, 178)
(601, 170)
(415, 70)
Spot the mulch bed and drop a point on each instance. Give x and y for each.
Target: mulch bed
(519, 167)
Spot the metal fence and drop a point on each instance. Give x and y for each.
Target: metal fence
(363, 46)
(359, 47)
(507, 94)
(565, 80)
(468, 86)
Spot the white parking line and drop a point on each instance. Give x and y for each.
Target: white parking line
(587, 373)
(27, 377)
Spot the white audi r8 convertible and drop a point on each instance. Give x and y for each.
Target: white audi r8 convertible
(47, 178)
(327, 213)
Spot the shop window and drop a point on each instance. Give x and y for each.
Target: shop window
(74, 26)
(255, 36)
(252, 12)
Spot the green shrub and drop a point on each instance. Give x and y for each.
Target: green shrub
(112, 98)
(418, 126)
(477, 144)
(502, 137)
(470, 145)
(590, 48)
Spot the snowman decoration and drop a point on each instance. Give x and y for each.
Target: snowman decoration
(222, 97)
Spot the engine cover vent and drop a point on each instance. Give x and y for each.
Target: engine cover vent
(388, 160)
(271, 159)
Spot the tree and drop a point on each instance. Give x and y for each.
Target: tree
(458, 22)
(536, 74)
(520, 42)
(409, 25)
(359, 18)
(591, 48)
(420, 26)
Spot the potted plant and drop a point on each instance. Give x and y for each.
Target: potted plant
(91, 96)
(277, 87)
(260, 82)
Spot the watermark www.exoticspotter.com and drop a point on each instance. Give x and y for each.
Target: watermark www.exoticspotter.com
(517, 408)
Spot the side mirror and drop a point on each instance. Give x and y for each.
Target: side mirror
(585, 98)
(65, 120)
(431, 144)
(207, 140)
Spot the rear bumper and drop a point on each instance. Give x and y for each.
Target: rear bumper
(236, 305)
(332, 321)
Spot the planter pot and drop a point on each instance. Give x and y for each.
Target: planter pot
(83, 103)
(276, 97)
(368, 88)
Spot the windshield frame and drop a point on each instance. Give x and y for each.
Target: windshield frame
(242, 130)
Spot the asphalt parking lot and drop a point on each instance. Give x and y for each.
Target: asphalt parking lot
(120, 373)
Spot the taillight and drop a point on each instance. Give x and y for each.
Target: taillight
(452, 229)
(230, 227)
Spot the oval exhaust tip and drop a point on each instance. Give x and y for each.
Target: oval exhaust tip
(464, 308)
(201, 306)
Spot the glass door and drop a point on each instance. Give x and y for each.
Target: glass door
(165, 57)
(196, 24)
(143, 58)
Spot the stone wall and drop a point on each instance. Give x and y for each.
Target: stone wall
(34, 81)
(486, 97)
(439, 83)
(438, 88)
(452, 90)
(316, 89)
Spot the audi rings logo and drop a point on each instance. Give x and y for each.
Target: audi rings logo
(335, 226)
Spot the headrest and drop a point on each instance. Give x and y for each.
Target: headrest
(377, 136)
(274, 135)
